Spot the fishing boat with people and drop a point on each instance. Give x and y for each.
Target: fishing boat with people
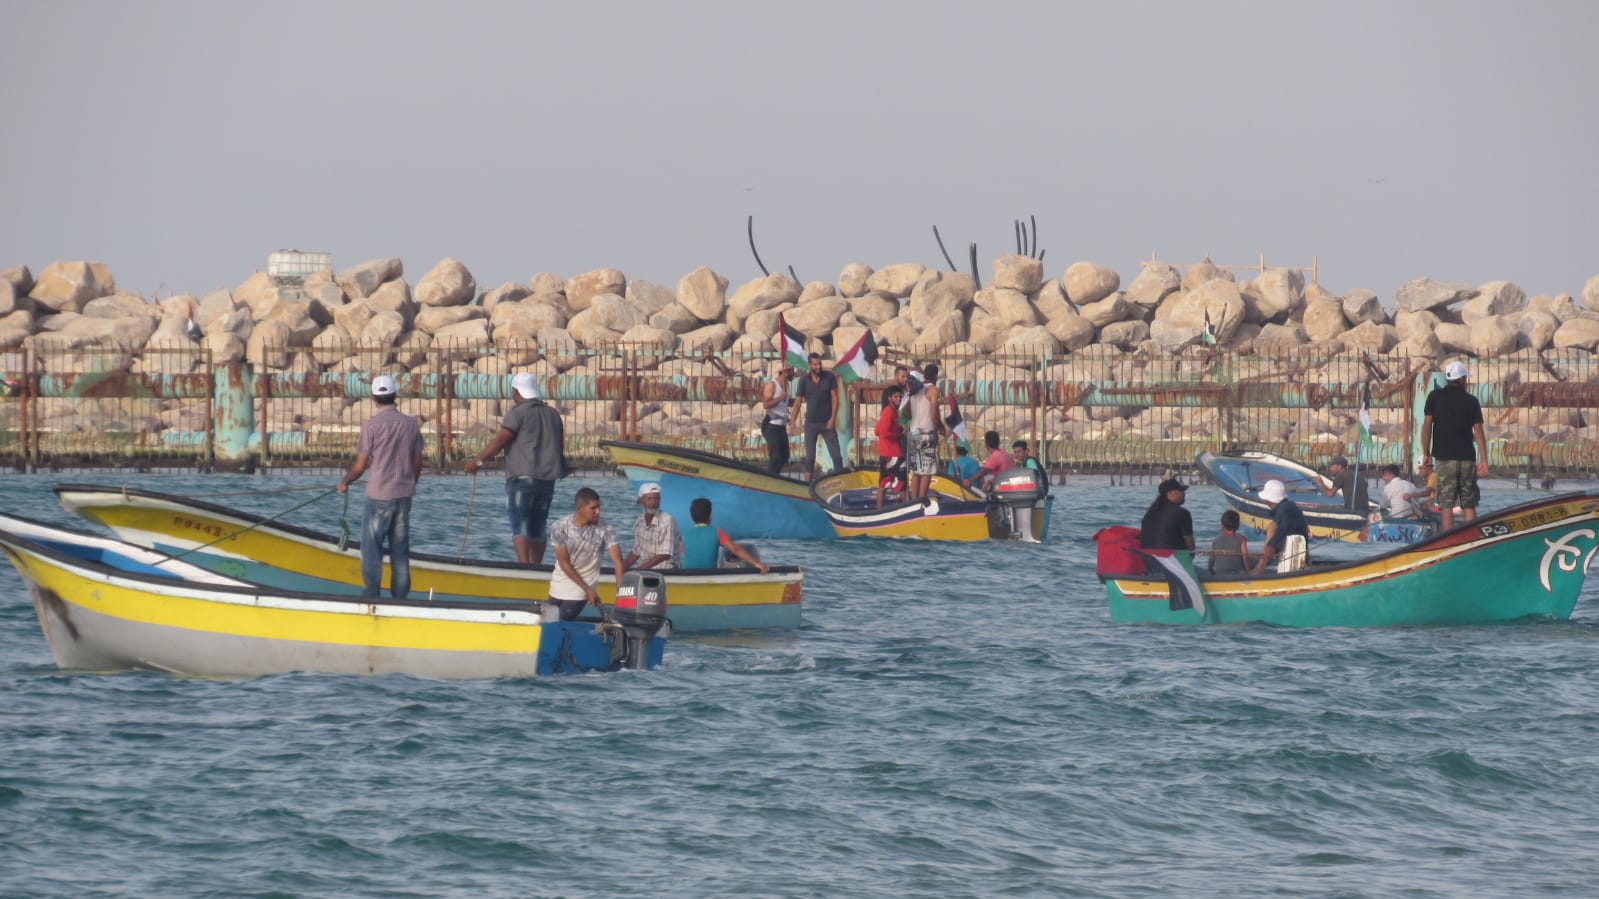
(283, 556)
(1019, 508)
(1525, 561)
(1241, 474)
(749, 501)
(105, 605)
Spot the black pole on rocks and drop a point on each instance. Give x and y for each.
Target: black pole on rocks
(952, 266)
(756, 252)
(977, 279)
(794, 275)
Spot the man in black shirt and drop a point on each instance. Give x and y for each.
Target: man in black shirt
(1167, 525)
(1287, 520)
(1452, 432)
(818, 393)
(1345, 481)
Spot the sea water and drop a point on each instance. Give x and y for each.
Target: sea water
(950, 720)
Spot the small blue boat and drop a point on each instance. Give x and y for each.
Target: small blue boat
(747, 502)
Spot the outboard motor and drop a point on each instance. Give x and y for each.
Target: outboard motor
(641, 611)
(1018, 489)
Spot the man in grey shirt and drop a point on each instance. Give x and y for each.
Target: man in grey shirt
(534, 441)
(818, 393)
(391, 447)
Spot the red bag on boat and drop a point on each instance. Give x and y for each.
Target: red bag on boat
(1117, 551)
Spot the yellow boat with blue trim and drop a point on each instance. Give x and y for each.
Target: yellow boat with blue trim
(107, 606)
(255, 549)
(949, 512)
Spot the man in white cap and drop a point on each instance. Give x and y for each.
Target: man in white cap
(534, 440)
(1452, 433)
(656, 541)
(391, 447)
(1287, 520)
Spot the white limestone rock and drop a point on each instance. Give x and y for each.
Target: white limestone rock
(18, 277)
(816, 290)
(1022, 274)
(897, 331)
(759, 294)
(678, 319)
(711, 338)
(1050, 301)
(936, 293)
(1590, 293)
(1493, 298)
(873, 310)
(703, 293)
(1205, 271)
(68, 286)
(470, 336)
(1171, 338)
(1371, 337)
(433, 319)
(1089, 282)
(119, 305)
(1324, 319)
(1034, 339)
(941, 331)
(614, 313)
(582, 289)
(353, 316)
(986, 332)
(1107, 311)
(448, 283)
(649, 297)
(1126, 335)
(1578, 333)
(1155, 281)
(1014, 309)
(1536, 329)
(1361, 306)
(852, 280)
(1562, 307)
(358, 281)
(1453, 338)
(1493, 335)
(1073, 331)
(650, 340)
(1275, 294)
(1425, 293)
(268, 345)
(896, 281)
(509, 292)
(1280, 340)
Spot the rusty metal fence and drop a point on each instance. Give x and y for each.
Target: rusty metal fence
(1085, 412)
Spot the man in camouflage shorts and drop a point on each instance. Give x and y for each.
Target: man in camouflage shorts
(1452, 432)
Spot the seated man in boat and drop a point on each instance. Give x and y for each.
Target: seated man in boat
(1167, 525)
(1398, 494)
(702, 541)
(1346, 481)
(1287, 520)
(580, 539)
(998, 461)
(656, 541)
(1021, 457)
(963, 466)
(890, 447)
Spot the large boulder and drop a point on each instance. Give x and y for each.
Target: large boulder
(896, 281)
(1324, 319)
(1089, 282)
(1536, 329)
(1493, 335)
(12, 299)
(1590, 293)
(470, 335)
(761, 293)
(582, 289)
(658, 341)
(1579, 333)
(118, 305)
(1493, 298)
(711, 338)
(816, 290)
(1371, 337)
(941, 331)
(1013, 308)
(1205, 271)
(509, 292)
(1073, 331)
(1014, 271)
(1425, 293)
(546, 284)
(1172, 338)
(1034, 339)
(359, 281)
(649, 297)
(18, 276)
(615, 313)
(353, 316)
(852, 280)
(331, 346)
(1361, 306)
(1562, 307)
(1155, 281)
(679, 320)
(268, 345)
(703, 293)
(1279, 340)
(433, 319)
(819, 317)
(297, 318)
(69, 286)
(872, 309)
(393, 296)
(1107, 311)
(1051, 302)
(1274, 294)
(446, 284)
(1126, 335)
(986, 332)
(936, 293)
(1453, 338)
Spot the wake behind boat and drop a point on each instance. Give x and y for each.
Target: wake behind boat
(255, 549)
(1529, 560)
(748, 502)
(108, 606)
(1240, 475)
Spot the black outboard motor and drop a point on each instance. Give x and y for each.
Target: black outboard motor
(1019, 488)
(641, 611)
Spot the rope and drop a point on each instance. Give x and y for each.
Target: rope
(257, 492)
(466, 531)
(344, 524)
(259, 523)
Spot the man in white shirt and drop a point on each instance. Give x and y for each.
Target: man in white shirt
(1397, 494)
(656, 542)
(580, 539)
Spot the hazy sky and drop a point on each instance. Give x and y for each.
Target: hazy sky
(183, 142)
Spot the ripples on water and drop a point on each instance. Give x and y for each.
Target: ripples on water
(951, 720)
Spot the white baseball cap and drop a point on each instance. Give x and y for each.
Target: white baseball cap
(1455, 371)
(383, 385)
(1273, 492)
(647, 489)
(526, 386)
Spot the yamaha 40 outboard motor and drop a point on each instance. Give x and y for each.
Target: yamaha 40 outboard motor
(1019, 488)
(641, 611)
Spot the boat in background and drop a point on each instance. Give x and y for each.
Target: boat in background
(950, 511)
(1240, 475)
(106, 606)
(1527, 561)
(283, 556)
(748, 502)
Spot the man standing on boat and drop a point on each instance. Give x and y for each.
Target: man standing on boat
(1345, 481)
(922, 401)
(534, 440)
(774, 423)
(1452, 432)
(580, 540)
(390, 446)
(656, 541)
(818, 393)
(1287, 520)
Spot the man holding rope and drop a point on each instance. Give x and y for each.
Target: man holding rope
(391, 447)
(534, 440)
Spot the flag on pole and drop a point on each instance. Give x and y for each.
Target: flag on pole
(793, 345)
(957, 424)
(1208, 335)
(1365, 416)
(856, 363)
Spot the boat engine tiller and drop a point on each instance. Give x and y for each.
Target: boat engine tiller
(641, 610)
(1019, 489)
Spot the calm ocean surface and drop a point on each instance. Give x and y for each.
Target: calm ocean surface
(951, 720)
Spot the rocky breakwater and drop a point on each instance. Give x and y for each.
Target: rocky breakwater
(370, 317)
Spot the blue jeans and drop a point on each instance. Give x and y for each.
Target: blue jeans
(387, 525)
(527, 503)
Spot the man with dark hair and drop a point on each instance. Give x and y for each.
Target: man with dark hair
(580, 539)
(702, 542)
(1452, 431)
(1397, 494)
(774, 420)
(1167, 525)
(1344, 480)
(922, 452)
(534, 440)
(391, 446)
(818, 393)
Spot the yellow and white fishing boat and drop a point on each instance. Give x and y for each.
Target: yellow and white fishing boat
(254, 549)
(107, 606)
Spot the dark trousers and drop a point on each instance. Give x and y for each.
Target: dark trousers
(830, 437)
(776, 437)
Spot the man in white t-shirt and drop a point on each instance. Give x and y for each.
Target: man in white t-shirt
(580, 539)
(1397, 494)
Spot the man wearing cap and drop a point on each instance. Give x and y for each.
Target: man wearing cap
(390, 446)
(1167, 525)
(1343, 480)
(1452, 433)
(656, 541)
(534, 441)
(1287, 520)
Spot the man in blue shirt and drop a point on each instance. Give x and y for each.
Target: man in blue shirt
(1287, 520)
(701, 542)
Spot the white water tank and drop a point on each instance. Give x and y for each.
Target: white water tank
(294, 266)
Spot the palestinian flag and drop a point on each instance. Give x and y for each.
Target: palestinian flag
(793, 345)
(1186, 592)
(1208, 335)
(856, 364)
(957, 425)
(1365, 416)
